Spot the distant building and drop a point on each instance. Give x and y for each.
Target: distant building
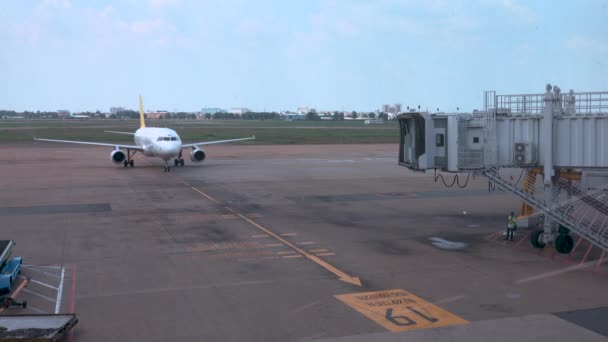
(156, 115)
(114, 110)
(306, 110)
(212, 110)
(63, 113)
(394, 110)
(239, 111)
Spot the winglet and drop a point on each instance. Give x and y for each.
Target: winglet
(142, 123)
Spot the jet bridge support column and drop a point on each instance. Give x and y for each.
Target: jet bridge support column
(546, 141)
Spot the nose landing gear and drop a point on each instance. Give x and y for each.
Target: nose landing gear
(167, 168)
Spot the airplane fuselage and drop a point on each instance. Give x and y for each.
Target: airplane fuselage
(159, 142)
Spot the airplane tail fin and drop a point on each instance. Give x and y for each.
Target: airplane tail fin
(142, 122)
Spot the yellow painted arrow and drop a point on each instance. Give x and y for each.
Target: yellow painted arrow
(341, 275)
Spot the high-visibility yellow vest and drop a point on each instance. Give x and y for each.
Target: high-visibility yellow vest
(512, 222)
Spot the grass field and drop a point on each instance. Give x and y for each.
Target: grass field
(266, 132)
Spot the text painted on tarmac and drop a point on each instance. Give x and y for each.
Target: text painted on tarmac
(399, 310)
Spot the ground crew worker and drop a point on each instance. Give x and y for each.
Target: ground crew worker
(511, 226)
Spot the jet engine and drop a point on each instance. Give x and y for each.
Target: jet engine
(197, 155)
(118, 157)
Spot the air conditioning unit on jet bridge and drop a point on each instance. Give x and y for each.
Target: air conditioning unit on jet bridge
(523, 154)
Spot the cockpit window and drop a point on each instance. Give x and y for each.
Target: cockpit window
(173, 139)
(166, 139)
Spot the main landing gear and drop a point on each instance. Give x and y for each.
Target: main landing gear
(179, 161)
(129, 161)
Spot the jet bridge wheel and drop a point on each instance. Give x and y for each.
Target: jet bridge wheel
(564, 243)
(535, 239)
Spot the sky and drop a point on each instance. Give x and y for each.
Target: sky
(279, 55)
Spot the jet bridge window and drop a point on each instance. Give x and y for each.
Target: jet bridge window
(439, 140)
(475, 140)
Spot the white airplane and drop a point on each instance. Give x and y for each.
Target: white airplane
(152, 142)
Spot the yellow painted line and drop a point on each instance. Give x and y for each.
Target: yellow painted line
(292, 256)
(202, 193)
(326, 254)
(274, 245)
(398, 310)
(341, 275)
(317, 250)
(287, 252)
(289, 234)
(305, 243)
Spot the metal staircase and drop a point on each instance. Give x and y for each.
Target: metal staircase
(585, 213)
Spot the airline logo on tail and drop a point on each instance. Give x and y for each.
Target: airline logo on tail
(142, 123)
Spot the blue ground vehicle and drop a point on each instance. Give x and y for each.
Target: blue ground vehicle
(9, 267)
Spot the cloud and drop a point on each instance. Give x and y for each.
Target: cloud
(145, 26)
(520, 11)
(588, 45)
(163, 3)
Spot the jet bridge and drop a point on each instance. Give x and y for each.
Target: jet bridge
(560, 137)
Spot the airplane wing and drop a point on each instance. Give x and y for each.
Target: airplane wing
(128, 133)
(216, 142)
(130, 147)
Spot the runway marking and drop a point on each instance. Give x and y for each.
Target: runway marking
(292, 256)
(39, 295)
(260, 236)
(223, 245)
(305, 243)
(339, 273)
(274, 245)
(398, 310)
(60, 292)
(289, 234)
(43, 272)
(556, 272)
(326, 254)
(39, 283)
(317, 250)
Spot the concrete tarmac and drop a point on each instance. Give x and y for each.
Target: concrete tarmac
(269, 243)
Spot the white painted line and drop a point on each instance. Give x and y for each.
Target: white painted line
(43, 272)
(556, 272)
(274, 245)
(260, 236)
(305, 243)
(289, 234)
(326, 254)
(60, 292)
(292, 256)
(287, 252)
(39, 283)
(55, 267)
(36, 309)
(317, 250)
(39, 295)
